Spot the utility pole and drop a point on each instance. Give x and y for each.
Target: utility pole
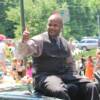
(22, 15)
(98, 23)
(22, 22)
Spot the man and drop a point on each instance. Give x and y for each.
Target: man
(55, 68)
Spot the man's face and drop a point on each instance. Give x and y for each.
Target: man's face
(54, 26)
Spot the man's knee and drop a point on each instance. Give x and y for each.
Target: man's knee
(54, 84)
(91, 86)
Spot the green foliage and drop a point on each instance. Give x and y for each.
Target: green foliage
(39, 14)
(82, 15)
(2, 29)
(86, 54)
(9, 30)
(83, 21)
(7, 26)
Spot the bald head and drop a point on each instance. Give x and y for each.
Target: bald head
(55, 25)
(56, 17)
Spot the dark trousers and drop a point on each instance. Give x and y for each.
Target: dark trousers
(74, 88)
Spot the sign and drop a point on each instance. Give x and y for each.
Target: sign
(65, 15)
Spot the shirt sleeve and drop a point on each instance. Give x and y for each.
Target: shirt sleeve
(32, 47)
(70, 62)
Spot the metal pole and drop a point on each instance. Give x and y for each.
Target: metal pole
(22, 22)
(22, 15)
(98, 23)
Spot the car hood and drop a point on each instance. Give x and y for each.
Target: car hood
(21, 92)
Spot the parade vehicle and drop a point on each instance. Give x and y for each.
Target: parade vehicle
(26, 91)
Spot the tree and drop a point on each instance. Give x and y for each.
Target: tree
(83, 17)
(7, 26)
(37, 14)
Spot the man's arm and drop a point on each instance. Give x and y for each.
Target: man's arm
(29, 47)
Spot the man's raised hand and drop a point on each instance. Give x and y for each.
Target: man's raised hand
(26, 35)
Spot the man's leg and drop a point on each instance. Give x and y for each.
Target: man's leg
(97, 79)
(52, 86)
(89, 91)
(92, 92)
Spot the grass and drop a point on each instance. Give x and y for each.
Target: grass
(86, 54)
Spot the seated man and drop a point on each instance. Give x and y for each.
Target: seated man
(55, 69)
